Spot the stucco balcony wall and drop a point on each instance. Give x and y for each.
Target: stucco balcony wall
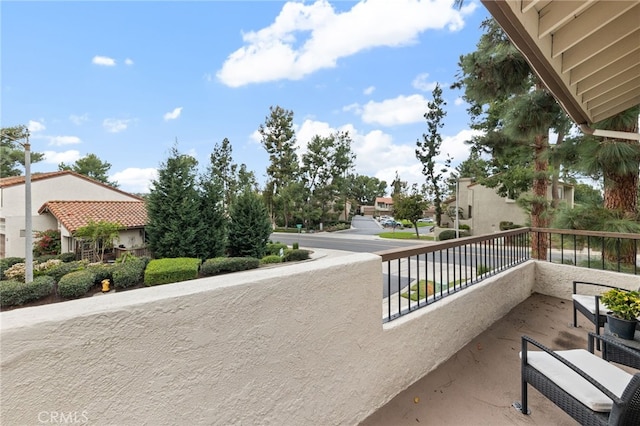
(297, 345)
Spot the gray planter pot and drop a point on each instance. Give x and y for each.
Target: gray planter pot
(622, 328)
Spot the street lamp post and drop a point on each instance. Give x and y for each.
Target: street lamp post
(28, 228)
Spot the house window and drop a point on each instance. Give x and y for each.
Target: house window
(22, 233)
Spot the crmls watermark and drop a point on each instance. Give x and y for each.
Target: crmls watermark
(63, 417)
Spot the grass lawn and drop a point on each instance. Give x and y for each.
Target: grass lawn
(405, 235)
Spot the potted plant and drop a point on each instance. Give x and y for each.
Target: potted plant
(623, 311)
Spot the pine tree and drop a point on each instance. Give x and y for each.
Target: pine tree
(429, 148)
(92, 166)
(174, 227)
(250, 227)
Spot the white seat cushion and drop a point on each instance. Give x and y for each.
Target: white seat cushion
(589, 302)
(610, 376)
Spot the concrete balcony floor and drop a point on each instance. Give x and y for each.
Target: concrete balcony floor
(480, 382)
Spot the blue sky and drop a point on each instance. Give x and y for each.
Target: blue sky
(124, 80)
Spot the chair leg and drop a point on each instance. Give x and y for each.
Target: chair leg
(522, 405)
(575, 318)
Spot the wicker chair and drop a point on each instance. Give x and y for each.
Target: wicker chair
(586, 387)
(589, 306)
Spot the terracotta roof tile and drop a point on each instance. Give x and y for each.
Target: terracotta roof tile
(75, 214)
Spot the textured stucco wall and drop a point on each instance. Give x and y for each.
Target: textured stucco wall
(295, 345)
(556, 280)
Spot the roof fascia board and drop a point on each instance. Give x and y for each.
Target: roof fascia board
(520, 28)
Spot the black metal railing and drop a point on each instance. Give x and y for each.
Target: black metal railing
(420, 275)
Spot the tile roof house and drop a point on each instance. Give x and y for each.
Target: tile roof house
(65, 200)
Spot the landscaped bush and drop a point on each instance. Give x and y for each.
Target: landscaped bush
(58, 271)
(129, 272)
(67, 257)
(505, 226)
(44, 258)
(274, 248)
(14, 293)
(171, 270)
(465, 227)
(295, 246)
(273, 258)
(295, 255)
(221, 265)
(76, 284)
(450, 234)
(7, 263)
(102, 271)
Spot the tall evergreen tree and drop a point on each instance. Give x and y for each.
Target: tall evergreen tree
(279, 139)
(516, 113)
(429, 148)
(92, 166)
(11, 153)
(250, 227)
(224, 171)
(174, 226)
(365, 189)
(213, 213)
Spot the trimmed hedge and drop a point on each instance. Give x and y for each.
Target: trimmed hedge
(221, 265)
(171, 270)
(57, 272)
(296, 255)
(67, 257)
(450, 234)
(14, 293)
(102, 271)
(8, 262)
(76, 284)
(273, 258)
(130, 272)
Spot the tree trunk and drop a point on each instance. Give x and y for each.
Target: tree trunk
(539, 216)
(555, 198)
(621, 194)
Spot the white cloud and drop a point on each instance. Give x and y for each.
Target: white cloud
(64, 140)
(128, 61)
(421, 83)
(173, 114)
(53, 157)
(455, 146)
(113, 125)
(103, 61)
(369, 90)
(134, 179)
(79, 119)
(305, 38)
(35, 126)
(458, 101)
(391, 112)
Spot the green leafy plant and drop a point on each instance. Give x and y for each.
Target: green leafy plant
(14, 293)
(171, 270)
(622, 304)
(76, 284)
(222, 265)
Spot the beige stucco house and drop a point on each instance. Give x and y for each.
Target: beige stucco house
(483, 209)
(65, 200)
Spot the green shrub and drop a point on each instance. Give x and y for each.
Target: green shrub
(296, 255)
(14, 293)
(102, 271)
(171, 270)
(130, 272)
(58, 271)
(67, 257)
(76, 284)
(45, 257)
(505, 226)
(465, 227)
(7, 263)
(272, 258)
(450, 234)
(274, 248)
(482, 269)
(296, 246)
(221, 265)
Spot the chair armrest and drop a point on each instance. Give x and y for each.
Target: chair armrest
(528, 340)
(575, 284)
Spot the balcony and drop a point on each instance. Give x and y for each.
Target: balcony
(301, 344)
